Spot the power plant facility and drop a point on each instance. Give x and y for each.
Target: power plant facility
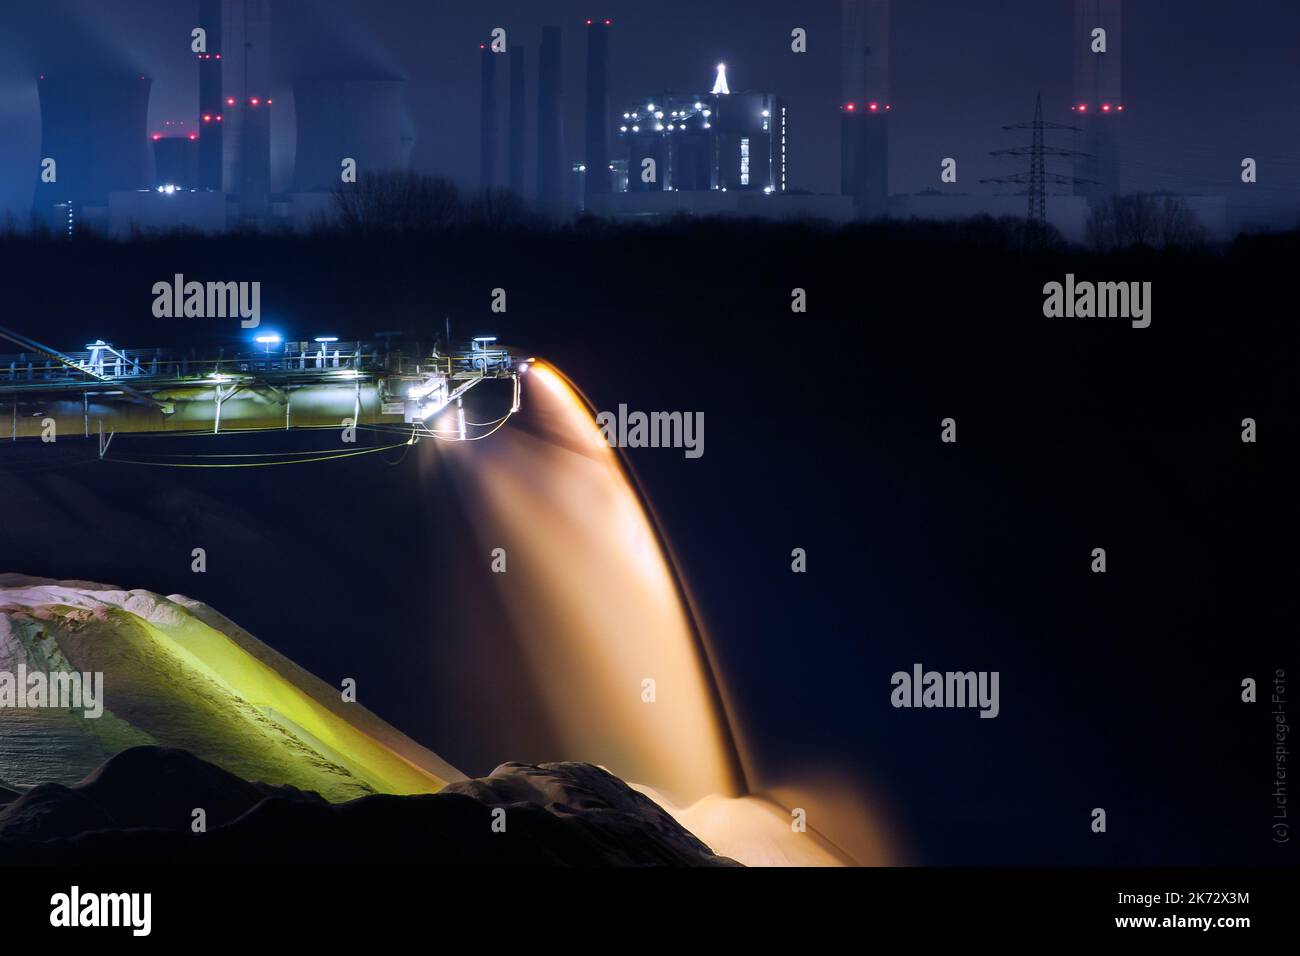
(716, 140)
(104, 171)
(646, 151)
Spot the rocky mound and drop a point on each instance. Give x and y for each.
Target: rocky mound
(138, 809)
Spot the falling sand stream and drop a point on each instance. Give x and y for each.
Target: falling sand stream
(552, 657)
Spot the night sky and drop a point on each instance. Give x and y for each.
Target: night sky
(1117, 690)
(1205, 83)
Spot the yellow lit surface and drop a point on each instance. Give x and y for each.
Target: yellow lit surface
(177, 674)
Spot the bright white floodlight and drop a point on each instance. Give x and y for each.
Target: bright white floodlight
(720, 84)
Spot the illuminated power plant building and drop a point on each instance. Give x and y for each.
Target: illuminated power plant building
(700, 141)
(865, 106)
(1098, 105)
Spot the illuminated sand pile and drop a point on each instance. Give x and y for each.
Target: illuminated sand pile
(178, 674)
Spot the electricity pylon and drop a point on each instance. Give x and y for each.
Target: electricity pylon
(1035, 181)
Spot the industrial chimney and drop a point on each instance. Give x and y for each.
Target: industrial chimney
(211, 118)
(487, 141)
(597, 179)
(550, 135)
(865, 106)
(515, 143)
(1098, 105)
(246, 120)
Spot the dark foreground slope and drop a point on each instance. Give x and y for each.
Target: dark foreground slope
(138, 808)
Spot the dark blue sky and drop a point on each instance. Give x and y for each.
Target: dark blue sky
(1205, 83)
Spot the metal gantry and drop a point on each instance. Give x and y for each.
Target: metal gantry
(296, 384)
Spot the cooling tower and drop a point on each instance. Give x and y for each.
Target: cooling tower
(211, 118)
(515, 141)
(95, 129)
(348, 118)
(597, 180)
(865, 106)
(1098, 105)
(550, 133)
(246, 83)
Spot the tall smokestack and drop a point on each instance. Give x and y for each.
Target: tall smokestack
(597, 179)
(1098, 97)
(550, 136)
(246, 120)
(865, 106)
(515, 144)
(211, 118)
(487, 136)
